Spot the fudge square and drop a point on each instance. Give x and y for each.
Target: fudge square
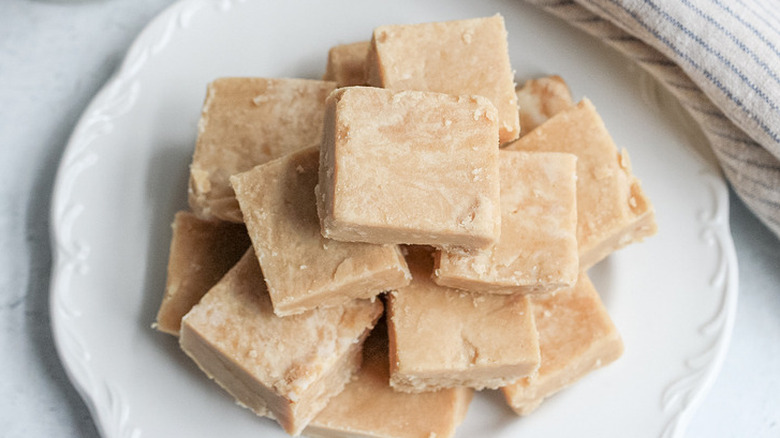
(541, 98)
(201, 252)
(246, 122)
(443, 338)
(409, 167)
(537, 250)
(285, 368)
(454, 57)
(369, 407)
(347, 64)
(612, 209)
(303, 269)
(576, 336)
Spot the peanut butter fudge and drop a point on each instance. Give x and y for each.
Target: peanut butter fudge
(576, 336)
(541, 98)
(246, 122)
(454, 57)
(369, 407)
(443, 338)
(287, 368)
(612, 209)
(409, 167)
(537, 251)
(201, 252)
(303, 269)
(347, 64)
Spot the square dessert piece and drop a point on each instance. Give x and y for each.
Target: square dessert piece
(369, 407)
(541, 98)
(201, 252)
(537, 251)
(444, 338)
(302, 269)
(612, 209)
(576, 336)
(454, 57)
(347, 64)
(286, 368)
(409, 167)
(246, 122)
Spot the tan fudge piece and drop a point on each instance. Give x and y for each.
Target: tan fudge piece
(287, 368)
(443, 338)
(201, 252)
(347, 64)
(302, 269)
(576, 336)
(246, 122)
(454, 57)
(369, 407)
(541, 98)
(409, 167)
(612, 209)
(537, 251)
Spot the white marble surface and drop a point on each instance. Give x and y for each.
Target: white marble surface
(55, 55)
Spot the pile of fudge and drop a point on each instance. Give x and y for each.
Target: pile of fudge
(412, 212)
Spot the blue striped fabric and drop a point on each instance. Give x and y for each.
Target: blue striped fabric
(721, 59)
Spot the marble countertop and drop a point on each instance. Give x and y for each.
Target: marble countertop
(55, 55)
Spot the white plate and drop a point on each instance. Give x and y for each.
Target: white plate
(124, 174)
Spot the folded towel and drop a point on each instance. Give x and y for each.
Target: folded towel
(721, 59)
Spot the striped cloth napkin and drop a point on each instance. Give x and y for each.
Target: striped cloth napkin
(721, 58)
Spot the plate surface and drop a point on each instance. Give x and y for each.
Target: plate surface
(124, 174)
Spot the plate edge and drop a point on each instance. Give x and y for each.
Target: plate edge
(114, 99)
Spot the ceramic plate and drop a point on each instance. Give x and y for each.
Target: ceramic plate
(124, 174)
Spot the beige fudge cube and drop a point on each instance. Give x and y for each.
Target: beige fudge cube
(201, 252)
(286, 368)
(612, 209)
(369, 407)
(347, 64)
(576, 336)
(541, 98)
(443, 338)
(303, 269)
(537, 251)
(246, 122)
(454, 57)
(409, 167)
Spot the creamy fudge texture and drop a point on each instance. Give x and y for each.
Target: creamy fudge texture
(287, 368)
(303, 269)
(246, 122)
(347, 64)
(201, 252)
(612, 209)
(541, 98)
(409, 167)
(369, 407)
(442, 337)
(537, 251)
(453, 57)
(576, 336)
